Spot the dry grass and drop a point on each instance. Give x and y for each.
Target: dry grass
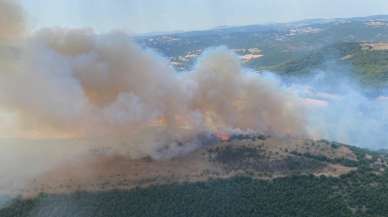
(381, 46)
(99, 172)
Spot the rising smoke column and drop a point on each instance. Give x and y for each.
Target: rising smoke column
(11, 20)
(75, 83)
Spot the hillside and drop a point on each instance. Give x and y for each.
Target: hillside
(278, 42)
(246, 155)
(249, 175)
(291, 48)
(366, 62)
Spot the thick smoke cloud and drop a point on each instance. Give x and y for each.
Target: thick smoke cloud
(11, 20)
(64, 92)
(77, 84)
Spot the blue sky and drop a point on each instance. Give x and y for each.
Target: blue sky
(141, 16)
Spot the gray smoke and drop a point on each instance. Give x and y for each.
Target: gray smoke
(66, 91)
(11, 20)
(76, 84)
(339, 109)
(105, 91)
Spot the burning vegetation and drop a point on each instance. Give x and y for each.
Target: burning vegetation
(73, 83)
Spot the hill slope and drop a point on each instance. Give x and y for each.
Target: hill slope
(248, 175)
(242, 155)
(367, 62)
(291, 48)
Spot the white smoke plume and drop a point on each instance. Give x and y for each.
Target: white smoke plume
(339, 109)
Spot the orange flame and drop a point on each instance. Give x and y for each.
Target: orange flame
(223, 136)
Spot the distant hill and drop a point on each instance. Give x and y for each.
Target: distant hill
(367, 62)
(290, 47)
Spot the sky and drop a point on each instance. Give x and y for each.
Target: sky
(141, 16)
